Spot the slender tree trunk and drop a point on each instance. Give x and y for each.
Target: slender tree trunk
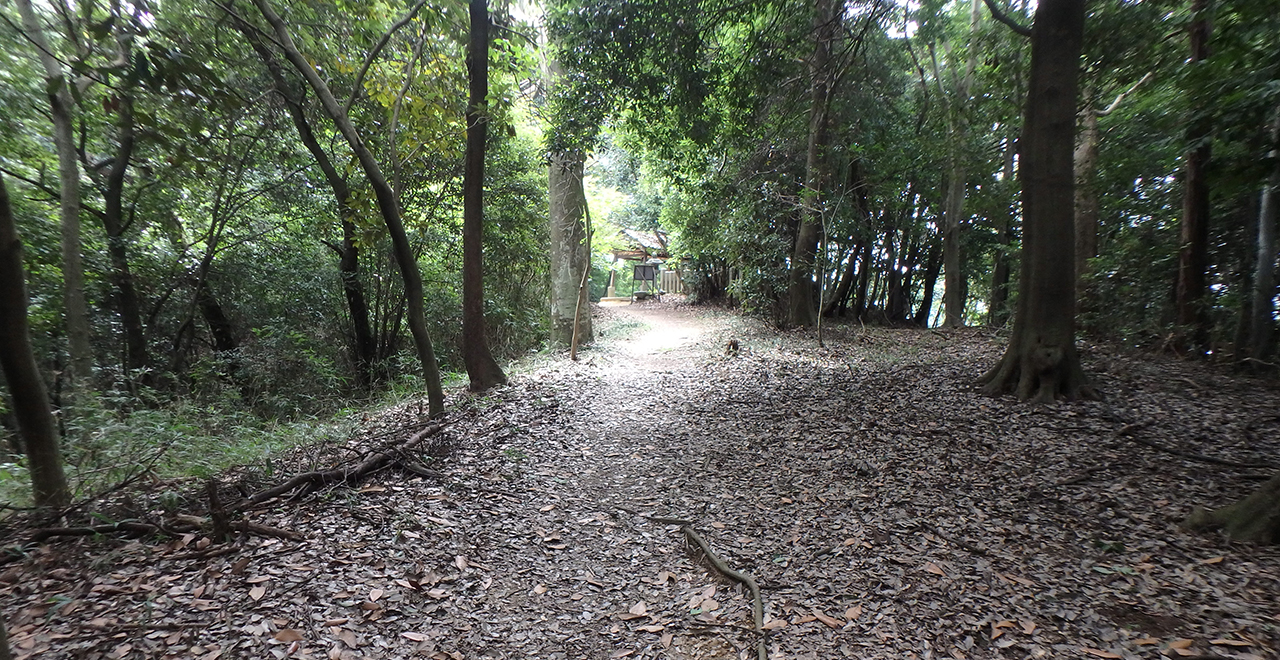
(365, 345)
(36, 425)
(1041, 359)
(388, 205)
(845, 285)
(481, 367)
(957, 286)
(998, 307)
(1263, 323)
(1086, 200)
(800, 303)
(79, 348)
(136, 358)
(932, 266)
(954, 296)
(1193, 258)
(864, 279)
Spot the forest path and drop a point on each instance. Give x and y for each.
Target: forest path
(887, 510)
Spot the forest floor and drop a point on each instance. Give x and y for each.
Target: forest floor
(886, 509)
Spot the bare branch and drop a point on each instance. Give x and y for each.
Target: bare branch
(1005, 18)
(1120, 97)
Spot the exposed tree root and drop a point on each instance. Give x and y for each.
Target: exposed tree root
(1127, 432)
(757, 605)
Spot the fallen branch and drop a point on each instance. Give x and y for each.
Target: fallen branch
(757, 605)
(309, 482)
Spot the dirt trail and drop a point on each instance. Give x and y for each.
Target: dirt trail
(886, 509)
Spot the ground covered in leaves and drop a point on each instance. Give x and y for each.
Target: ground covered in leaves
(885, 507)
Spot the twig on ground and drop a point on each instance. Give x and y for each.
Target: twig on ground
(757, 609)
(658, 519)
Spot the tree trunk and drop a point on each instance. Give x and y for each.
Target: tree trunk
(800, 303)
(845, 285)
(136, 358)
(1262, 323)
(953, 296)
(36, 425)
(482, 369)
(1193, 257)
(365, 345)
(1086, 199)
(932, 266)
(1255, 518)
(388, 205)
(1041, 359)
(79, 348)
(570, 250)
(998, 307)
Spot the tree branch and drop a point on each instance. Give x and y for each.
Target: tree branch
(373, 54)
(1120, 97)
(1004, 18)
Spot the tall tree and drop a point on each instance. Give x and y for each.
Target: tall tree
(36, 425)
(365, 345)
(1193, 257)
(1263, 321)
(482, 369)
(1041, 360)
(59, 95)
(822, 78)
(388, 205)
(570, 249)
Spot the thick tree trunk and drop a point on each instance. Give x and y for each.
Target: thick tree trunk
(800, 303)
(79, 348)
(36, 425)
(135, 354)
(1255, 518)
(1041, 360)
(1193, 258)
(1262, 324)
(388, 205)
(570, 251)
(365, 345)
(482, 369)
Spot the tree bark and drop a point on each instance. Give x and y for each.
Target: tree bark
(1041, 359)
(957, 286)
(570, 251)
(482, 369)
(135, 355)
(998, 306)
(31, 407)
(388, 205)
(933, 264)
(1262, 324)
(79, 348)
(365, 345)
(800, 303)
(1086, 198)
(1193, 257)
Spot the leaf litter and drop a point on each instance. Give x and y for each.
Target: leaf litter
(885, 508)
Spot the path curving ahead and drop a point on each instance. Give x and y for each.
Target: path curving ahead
(887, 510)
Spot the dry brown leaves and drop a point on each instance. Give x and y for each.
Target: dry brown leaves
(887, 510)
